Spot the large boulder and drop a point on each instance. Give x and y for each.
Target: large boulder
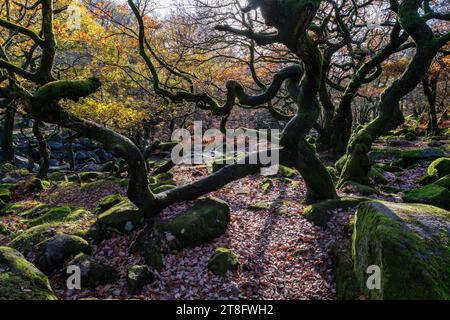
(62, 213)
(436, 194)
(20, 280)
(411, 156)
(93, 272)
(409, 243)
(51, 254)
(203, 222)
(122, 218)
(109, 202)
(27, 240)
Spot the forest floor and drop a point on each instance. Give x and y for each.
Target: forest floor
(281, 254)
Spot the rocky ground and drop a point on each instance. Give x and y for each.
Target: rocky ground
(281, 254)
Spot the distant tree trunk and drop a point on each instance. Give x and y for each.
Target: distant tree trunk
(430, 90)
(44, 153)
(8, 129)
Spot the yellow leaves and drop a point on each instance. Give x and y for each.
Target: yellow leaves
(118, 114)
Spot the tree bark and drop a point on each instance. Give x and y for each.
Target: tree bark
(44, 153)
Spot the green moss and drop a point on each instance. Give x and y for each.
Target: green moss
(433, 194)
(444, 182)
(411, 156)
(26, 241)
(439, 168)
(38, 184)
(266, 185)
(59, 214)
(24, 209)
(223, 260)
(410, 243)
(109, 202)
(341, 162)
(123, 218)
(359, 188)
(20, 280)
(320, 213)
(203, 222)
(259, 205)
(287, 172)
(91, 176)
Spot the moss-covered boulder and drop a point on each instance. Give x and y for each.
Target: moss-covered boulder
(433, 194)
(37, 184)
(26, 209)
(320, 213)
(414, 155)
(123, 218)
(203, 222)
(26, 241)
(410, 243)
(91, 176)
(356, 187)
(223, 260)
(138, 277)
(93, 272)
(439, 168)
(109, 202)
(20, 280)
(51, 254)
(58, 214)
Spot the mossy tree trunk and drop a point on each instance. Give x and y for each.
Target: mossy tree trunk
(44, 152)
(357, 164)
(430, 91)
(8, 129)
